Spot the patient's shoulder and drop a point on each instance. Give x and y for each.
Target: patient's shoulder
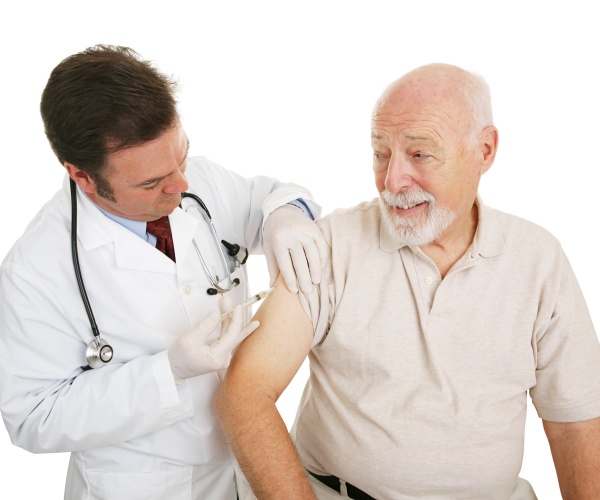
(360, 220)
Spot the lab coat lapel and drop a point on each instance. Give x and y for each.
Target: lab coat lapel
(95, 230)
(183, 228)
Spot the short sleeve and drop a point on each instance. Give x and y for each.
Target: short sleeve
(319, 308)
(319, 305)
(568, 356)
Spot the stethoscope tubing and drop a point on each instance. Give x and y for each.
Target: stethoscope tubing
(75, 256)
(216, 285)
(98, 352)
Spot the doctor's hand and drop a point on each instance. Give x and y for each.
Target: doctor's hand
(294, 246)
(193, 354)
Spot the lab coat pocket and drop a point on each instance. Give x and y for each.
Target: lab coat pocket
(164, 485)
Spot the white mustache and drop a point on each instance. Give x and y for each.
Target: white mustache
(407, 199)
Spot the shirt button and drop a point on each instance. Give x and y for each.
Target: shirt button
(187, 289)
(429, 280)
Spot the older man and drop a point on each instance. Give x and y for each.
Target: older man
(440, 315)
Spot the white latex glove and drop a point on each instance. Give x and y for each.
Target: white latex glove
(294, 246)
(192, 355)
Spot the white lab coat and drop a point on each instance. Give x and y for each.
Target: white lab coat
(132, 432)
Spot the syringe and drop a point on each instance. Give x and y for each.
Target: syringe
(252, 300)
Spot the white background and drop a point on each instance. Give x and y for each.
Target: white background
(286, 89)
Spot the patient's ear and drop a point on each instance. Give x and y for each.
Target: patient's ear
(489, 146)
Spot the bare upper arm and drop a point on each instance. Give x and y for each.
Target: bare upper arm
(566, 430)
(270, 357)
(575, 450)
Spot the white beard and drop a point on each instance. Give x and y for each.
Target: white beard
(415, 230)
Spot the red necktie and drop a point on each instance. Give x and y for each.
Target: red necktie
(164, 239)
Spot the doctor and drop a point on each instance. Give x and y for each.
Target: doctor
(138, 418)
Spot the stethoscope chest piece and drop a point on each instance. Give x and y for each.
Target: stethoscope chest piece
(98, 353)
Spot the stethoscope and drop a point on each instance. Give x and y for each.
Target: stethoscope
(98, 352)
(239, 253)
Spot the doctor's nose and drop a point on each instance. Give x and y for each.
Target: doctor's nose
(178, 184)
(400, 174)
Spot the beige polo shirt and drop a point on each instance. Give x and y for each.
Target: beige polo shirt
(418, 385)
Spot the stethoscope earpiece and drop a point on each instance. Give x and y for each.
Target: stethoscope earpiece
(213, 291)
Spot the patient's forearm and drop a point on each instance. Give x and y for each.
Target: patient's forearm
(261, 443)
(259, 372)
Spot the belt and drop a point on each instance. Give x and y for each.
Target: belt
(334, 483)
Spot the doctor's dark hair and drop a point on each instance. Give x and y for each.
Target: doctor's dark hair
(102, 100)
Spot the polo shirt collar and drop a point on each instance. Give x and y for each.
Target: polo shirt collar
(488, 240)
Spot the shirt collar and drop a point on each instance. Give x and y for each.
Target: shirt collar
(488, 240)
(135, 226)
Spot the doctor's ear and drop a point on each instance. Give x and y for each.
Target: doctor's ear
(82, 179)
